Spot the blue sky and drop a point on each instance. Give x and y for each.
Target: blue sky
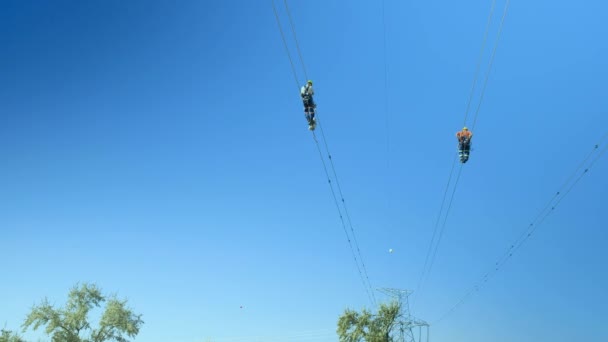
(160, 150)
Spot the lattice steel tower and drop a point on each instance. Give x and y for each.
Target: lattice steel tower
(406, 323)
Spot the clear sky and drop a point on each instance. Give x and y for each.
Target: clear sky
(159, 149)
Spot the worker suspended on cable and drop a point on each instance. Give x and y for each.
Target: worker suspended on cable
(464, 144)
(306, 92)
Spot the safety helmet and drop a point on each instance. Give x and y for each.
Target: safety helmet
(310, 82)
(465, 129)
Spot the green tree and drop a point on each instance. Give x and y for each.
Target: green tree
(70, 323)
(8, 336)
(356, 326)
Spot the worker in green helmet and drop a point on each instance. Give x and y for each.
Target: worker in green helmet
(306, 92)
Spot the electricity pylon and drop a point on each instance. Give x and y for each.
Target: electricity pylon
(406, 323)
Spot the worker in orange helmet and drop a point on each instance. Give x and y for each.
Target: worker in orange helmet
(464, 144)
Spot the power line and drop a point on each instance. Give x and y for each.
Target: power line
(293, 69)
(367, 286)
(431, 259)
(564, 190)
(386, 111)
(445, 219)
(485, 83)
(552, 200)
(295, 38)
(365, 279)
(333, 167)
(432, 250)
(331, 161)
(478, 67)
(436, 227)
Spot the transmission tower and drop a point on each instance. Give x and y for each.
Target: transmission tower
(406, 323)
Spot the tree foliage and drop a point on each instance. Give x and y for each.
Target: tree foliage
(356, 326)
(9, 336)
(71, 323)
